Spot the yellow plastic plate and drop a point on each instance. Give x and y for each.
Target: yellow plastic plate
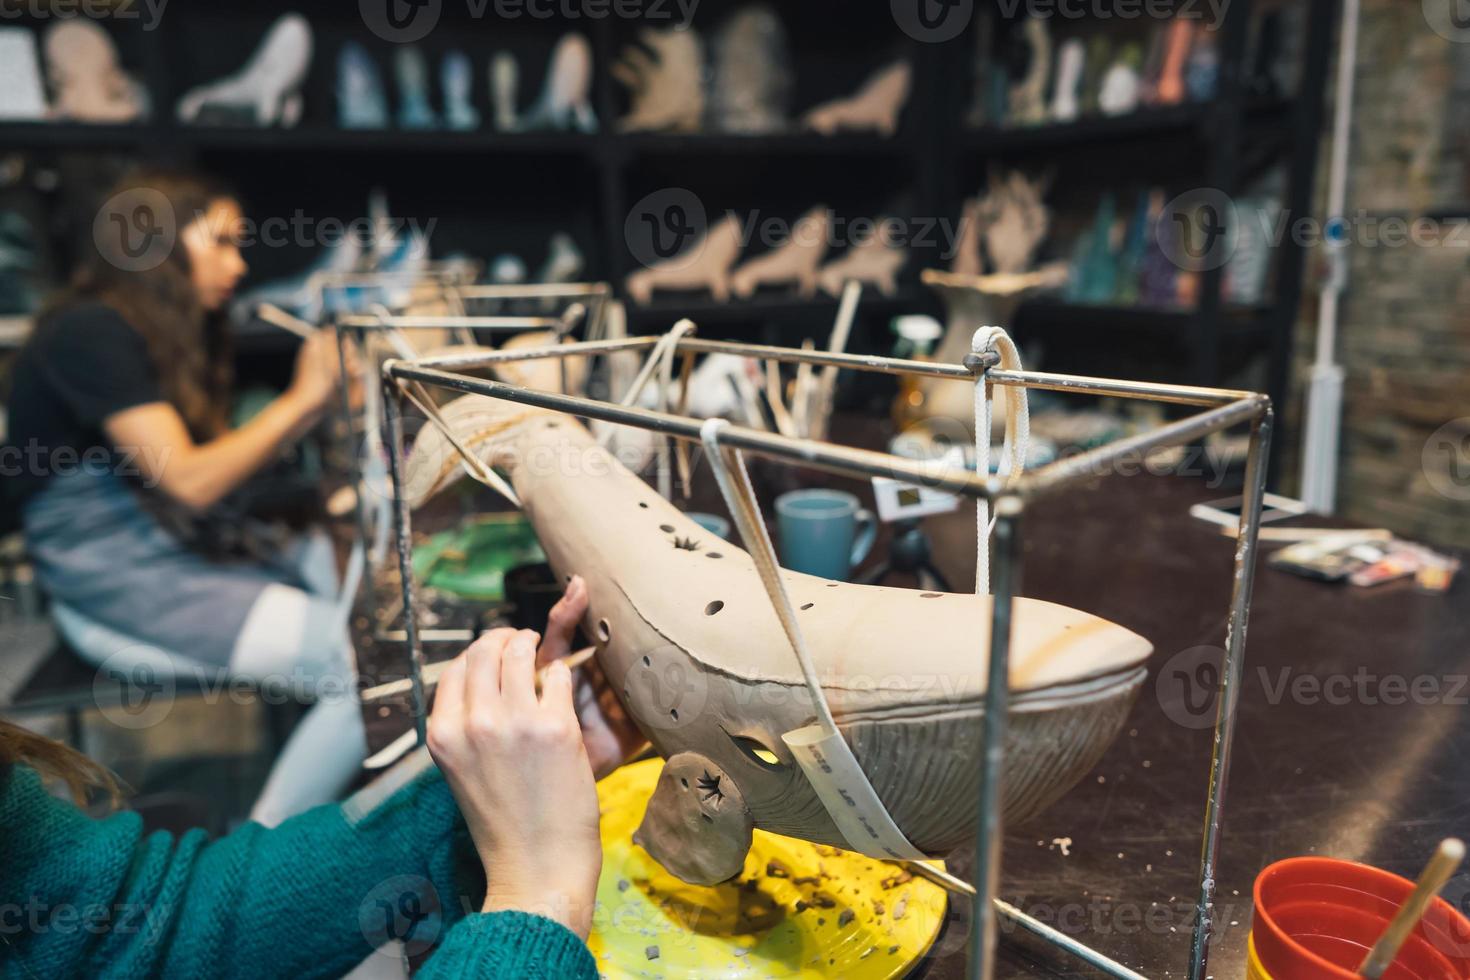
(797, 909)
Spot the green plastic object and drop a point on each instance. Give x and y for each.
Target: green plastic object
(471, 560)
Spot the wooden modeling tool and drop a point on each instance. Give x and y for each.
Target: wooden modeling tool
(433, 671)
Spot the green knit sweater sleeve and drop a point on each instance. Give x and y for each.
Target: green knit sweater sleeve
(309, 898)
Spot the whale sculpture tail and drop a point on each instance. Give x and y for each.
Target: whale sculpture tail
(487, 428)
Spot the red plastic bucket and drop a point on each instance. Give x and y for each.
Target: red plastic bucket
(1316, 918)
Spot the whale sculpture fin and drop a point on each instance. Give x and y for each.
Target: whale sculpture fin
(696, 824)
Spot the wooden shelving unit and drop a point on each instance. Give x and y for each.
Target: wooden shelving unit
(508, 191)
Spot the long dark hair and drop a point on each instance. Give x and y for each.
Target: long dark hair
(154, 291)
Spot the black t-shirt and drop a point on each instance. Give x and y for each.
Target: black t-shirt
(81, 365)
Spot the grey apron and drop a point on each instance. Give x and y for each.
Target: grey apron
(99, 551)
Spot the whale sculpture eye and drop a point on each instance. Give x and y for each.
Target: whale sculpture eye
(604, 630)
(756, 752)
(713, 607)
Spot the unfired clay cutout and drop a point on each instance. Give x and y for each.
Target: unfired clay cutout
(268, 87)
(872, 262)
(874, 106)
(688, 640)
(1171, 88)
(795, 261)
(667, 85)
(705, 264)
(87, 80)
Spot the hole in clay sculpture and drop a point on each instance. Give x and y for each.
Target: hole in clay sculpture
(604, 630)
(686, 544)
(714, 554)
(808, 605)
(666, 528)
(713, 607)
(831, 585)
(756, 752)
(674, 713)
(683, 782)
(930, 595)
(647, 662)
(643, 505)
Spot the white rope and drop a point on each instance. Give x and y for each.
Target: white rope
(1013, 449)
(739, 495)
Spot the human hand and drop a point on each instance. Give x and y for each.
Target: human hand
(318, 371)
(607, 731)
(518, 770)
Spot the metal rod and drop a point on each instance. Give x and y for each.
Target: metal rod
(354, 450)
(364, 322)
(1118, 388)
(1230, 673)
(1066, 943)
(393, 422)
(989, 826)
(1181, 433)
(856, 362)
(533, 290)
(826, 456)
(586, 348)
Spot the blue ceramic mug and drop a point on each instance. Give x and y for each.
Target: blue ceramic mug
(823, 532)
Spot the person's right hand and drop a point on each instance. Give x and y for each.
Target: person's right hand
(520, 774)
(318, 371)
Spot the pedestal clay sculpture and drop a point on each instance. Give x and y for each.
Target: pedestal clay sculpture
(1070, 62)
(795, 261)
(874, 106)
(665, 74)
(688, 642)
(457, 77)
(1027, 97)
(87, 81)
(564, 103)
(872, 261)
(361, 102)
(752, 73)
(1171, 88)
(503, 77)
(1120, 86)
(703, 265)
(412, 73)
(264, 92)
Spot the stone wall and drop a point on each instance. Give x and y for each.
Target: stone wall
(1404, 331)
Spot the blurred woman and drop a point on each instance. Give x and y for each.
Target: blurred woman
(120, 415)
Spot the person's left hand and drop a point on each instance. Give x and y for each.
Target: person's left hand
(610, 735)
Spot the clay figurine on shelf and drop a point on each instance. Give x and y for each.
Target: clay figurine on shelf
(665, 75)
(504, 74)
(875, 106)
(361, 101)
(705, 264)
(1121, 85)
(751, 87)
(1097, 60)
(266, 91)
(412, 72)
(1202, 69)
(457, 77)
(795, 261)
(872, 262)
(1170, 89)
(1010, 220)
(688, 644)
(1070, 62)
(86, 78)
(565, 98)
(1026, 100)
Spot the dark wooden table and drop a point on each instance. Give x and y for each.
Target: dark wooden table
(1352, 739)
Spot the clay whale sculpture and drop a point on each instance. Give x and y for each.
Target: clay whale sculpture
(688, 640)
